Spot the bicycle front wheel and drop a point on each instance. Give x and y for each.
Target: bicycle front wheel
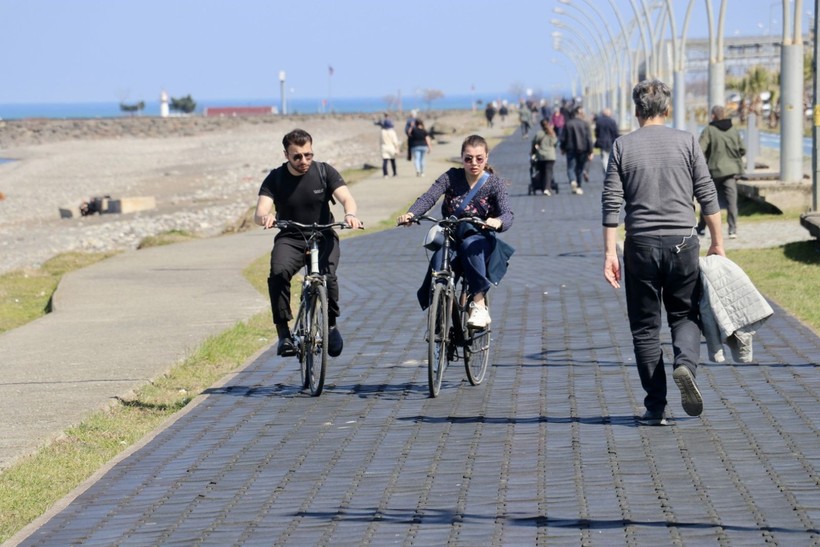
(315, 344)
(476, 350)
(438, 334)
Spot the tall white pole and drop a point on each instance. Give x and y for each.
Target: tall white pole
(815, 157)
(282, 92)
(791, 98)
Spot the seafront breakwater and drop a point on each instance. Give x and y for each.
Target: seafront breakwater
(31, 131)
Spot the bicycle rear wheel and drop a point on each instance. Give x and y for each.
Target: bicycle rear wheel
(476, 349)
(315, 343)
(438, 332)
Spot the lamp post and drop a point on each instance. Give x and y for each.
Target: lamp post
(576, 58)
(584, 60)
(717, 70)
(564, 67)
(588, 77)
(623, 78)
(815, 156)
(282, 92)
(610, 69)
(791, 97)
(678, 61)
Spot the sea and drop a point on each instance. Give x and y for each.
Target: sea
(294, 106)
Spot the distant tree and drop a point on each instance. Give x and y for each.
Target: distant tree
(430, 95)
(391, 101)
(518, 90)
(132, 108)
(186, 104)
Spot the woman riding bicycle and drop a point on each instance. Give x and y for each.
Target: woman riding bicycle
(474, 247)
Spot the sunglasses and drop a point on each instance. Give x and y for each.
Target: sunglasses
(478, 159)
(298, 157)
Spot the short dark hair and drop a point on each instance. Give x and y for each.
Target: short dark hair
(652, 98)
(299, 137)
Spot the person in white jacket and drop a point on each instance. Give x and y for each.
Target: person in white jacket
(389, 146)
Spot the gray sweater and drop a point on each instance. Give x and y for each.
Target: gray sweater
(657, 172)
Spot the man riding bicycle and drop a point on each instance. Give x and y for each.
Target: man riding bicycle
(473, 190)
(301, 191)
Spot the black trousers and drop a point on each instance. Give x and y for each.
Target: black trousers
(392, 162)
(288, 256)
(545, 174)
(662, 270)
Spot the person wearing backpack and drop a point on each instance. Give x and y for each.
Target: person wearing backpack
(301, 190)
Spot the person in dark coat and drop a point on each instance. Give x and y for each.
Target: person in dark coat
(606, 131)
(576, 144)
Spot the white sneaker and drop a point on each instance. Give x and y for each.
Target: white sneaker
(547, 193)
(573, 186)
(579, 191)
(479, 317)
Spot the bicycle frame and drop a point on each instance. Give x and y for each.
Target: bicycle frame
(447, 330)
(310, 330)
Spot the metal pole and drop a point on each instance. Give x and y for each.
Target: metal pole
(717, 68)
(282, 92)
(611, 68)
(815, 150)
(791, 93)
(623, 117)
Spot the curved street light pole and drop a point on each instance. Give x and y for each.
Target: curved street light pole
(605, 73)
(717, 69)
(610, 69)
(583, 59)
(620, 96)
(678, 65)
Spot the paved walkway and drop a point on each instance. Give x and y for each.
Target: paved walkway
(546, 451)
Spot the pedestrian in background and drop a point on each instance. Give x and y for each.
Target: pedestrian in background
(503, 112)
(558, 120)
(524, 119)
(489, 113)
(724, 151)
(419, 144)
(389, 146)
(606, 131)
(543, 149)
(576, 143)
(408, 126)
(656, 172)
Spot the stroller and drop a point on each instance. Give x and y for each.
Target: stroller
(535, 179)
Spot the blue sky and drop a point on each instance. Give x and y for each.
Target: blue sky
(129, 50)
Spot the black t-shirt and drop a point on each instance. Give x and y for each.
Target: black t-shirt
(302, 198)
(418, 137)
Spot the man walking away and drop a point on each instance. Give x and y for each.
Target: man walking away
(606, 131)
(576, 143)
(724, 151)
(656, 172)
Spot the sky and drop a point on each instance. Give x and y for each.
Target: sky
(65, 51)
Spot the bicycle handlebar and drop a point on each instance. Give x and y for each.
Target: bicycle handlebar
(285, 224)
(452, 221)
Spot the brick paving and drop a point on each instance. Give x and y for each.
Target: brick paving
(547, 451)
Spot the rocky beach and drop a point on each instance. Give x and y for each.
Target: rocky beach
(203, 172)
